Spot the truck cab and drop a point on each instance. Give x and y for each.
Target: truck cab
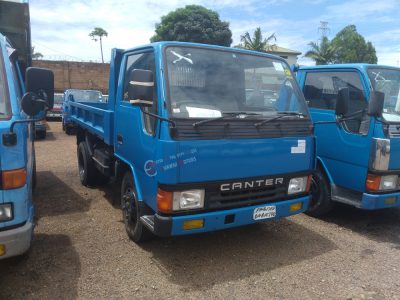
(18, 104)
(200, 137)
(358, 149)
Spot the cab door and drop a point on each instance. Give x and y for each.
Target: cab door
(135, 132)
(343, 148)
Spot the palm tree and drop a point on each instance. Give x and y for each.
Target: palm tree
(97, 34)
(36, 55)
(257, 42)
(322, 53)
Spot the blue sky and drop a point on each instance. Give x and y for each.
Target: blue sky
(60, 28)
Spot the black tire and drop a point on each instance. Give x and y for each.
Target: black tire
(63, 126)
(321, 202)
(68, 130)
(88, 174)
(40, 135)
(130, 211)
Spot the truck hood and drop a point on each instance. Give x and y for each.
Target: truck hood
(210, 160)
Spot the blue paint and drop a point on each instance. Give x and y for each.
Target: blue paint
(345, 155)
(157, 158)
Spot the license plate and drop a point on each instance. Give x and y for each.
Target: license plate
(264, 212)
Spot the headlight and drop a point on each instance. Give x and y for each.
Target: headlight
(190, 199)
(376, 183)
(298, 185)
(5, 212)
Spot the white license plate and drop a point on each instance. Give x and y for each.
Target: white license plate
(264, 212)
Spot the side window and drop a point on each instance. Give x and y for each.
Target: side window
(144, 61)
(321, 89)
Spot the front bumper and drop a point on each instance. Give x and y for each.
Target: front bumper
(216, 220)
(378, 201)
(16, 241)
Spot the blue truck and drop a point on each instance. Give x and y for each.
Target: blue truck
(20, 105)
(356, 111)
(76, 95)
(194, 140)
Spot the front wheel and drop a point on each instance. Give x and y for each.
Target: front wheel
(130, 211)
(321, 202)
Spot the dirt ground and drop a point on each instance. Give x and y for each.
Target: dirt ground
(80, 250)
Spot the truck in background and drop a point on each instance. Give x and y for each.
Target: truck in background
(194, 141)
(74, 95)
(19, 103)
(56, 112)
(358, 147)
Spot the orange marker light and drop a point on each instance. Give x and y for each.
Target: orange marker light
(309, 180)
(164, 201)
(13, 179)
(373, 182)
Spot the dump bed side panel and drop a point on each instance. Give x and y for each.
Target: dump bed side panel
(96, 118)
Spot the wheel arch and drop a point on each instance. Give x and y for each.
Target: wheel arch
(322, 166)
(123, 166)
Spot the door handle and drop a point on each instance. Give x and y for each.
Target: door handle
(120, 139)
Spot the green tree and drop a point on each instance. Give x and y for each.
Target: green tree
(322, 53)
(257, 42)
(352, 47)
(36, 55)
(97, 34)
(193, 23)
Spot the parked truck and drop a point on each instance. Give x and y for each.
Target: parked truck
(20, 106)
(356, 111)
(75, 95)
(195, 141)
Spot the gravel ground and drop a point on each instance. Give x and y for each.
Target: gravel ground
(81, 250)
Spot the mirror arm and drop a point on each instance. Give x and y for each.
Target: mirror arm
(22, 121)
(159, 117)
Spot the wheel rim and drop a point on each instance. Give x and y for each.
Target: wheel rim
(129, 209)
(315, 193)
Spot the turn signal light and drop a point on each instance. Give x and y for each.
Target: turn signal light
(164, 201)
(193, 224)
(309, 180)
(13, 179)
(2, 250)
(373, 182)
(295, 206)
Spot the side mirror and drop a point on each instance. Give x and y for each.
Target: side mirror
(375, 106)
(342, 102)
(30, 105)
(141, 86)
(40, 82)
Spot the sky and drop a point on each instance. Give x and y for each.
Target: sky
(60, 28)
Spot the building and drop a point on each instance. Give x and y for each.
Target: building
(288, 54)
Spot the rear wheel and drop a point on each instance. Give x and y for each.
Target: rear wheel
(40, 135)
(68, 130)
(130, 211)
(321, 202)
(88, 174)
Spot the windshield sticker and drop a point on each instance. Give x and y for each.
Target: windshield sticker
(180, 57)
(288, 74)
(197, 112)
(278, 66)
(152, 167)
(300, 148)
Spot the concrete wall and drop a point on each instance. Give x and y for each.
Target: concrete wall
(77, 75)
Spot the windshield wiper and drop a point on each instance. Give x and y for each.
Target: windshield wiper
(225, 116)
(279, 116)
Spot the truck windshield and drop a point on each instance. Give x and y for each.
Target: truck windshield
(4, 104)
(387, 81)
(87, 96)
(208, 83)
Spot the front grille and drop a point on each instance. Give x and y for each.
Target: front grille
(241, 128)
(217, 199)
